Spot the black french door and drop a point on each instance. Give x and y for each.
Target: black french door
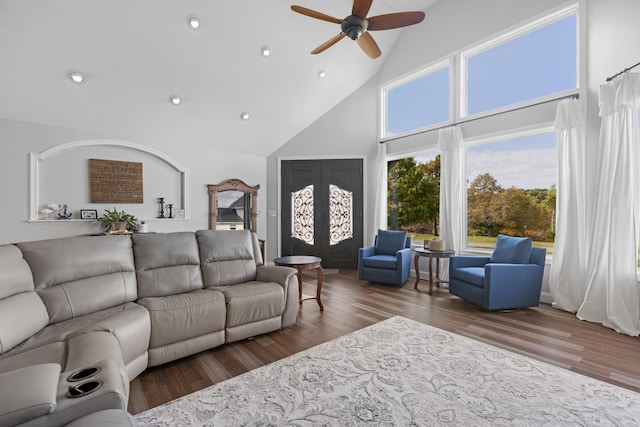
(322, 210)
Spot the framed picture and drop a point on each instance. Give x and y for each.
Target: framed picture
(178, 213)
(88, 214)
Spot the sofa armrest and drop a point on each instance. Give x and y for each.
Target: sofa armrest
(275, 273)
(366, 252)
(28, 393)
(512, 285)
(461, 261)
(288, 278)
(404, 253)
(509, 276)
(404, 257)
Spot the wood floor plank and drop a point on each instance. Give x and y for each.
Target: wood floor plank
(542, 333)
(137, 400)
(214, 370)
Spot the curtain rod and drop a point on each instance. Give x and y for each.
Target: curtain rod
(574, 96)
(622, 72)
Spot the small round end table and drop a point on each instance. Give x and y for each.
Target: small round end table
(431, 255)
(304, 262)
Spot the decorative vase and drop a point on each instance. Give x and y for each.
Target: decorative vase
(118, 227)
(437, 245)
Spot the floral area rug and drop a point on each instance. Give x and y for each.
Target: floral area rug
(400, 372)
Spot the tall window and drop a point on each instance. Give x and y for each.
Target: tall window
(510, 179)
(413, 199)
(526, 65)
(418, 102)
(511, 190)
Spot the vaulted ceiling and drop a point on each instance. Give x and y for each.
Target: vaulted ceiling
(136, 53)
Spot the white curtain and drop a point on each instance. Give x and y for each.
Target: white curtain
(567, 277)
(379, 211)
(612, 296)
(453, 209)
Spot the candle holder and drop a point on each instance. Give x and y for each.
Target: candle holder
(161, 210)
(170, 208)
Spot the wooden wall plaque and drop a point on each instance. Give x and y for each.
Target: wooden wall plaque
(113, 181)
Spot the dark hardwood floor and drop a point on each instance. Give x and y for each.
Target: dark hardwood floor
(543, 333)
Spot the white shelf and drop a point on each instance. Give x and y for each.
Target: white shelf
(93, 220)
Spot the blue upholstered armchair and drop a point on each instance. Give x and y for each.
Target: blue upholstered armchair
(510, 278)
(389, 261)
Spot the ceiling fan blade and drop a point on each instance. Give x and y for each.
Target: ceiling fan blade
(369, 46)
(314, 14)
(326, 45)
(361, 8)
(394, 20)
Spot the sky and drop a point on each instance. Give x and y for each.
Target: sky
(529, 162)
(536, 64)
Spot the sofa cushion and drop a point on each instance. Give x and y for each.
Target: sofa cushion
(390, 241)
(472, 275)
(512, 250)
(389, 262)
(22, 312)
(253, 301)
(131, 325)
(166, 263)
(21, 316)
(226, 257)
(16, 276)
(84, 350)
(49, 353)
(128, 322)
(179, 317)
(75, 276)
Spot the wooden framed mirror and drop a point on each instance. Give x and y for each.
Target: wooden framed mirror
(233, 205)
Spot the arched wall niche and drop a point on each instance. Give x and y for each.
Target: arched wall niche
(60, 174)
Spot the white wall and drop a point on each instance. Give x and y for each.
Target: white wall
(205, 166)
(612, 39)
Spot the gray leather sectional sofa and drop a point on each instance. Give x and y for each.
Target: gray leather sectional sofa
(107, 307)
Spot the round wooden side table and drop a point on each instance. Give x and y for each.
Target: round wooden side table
(300, 263)
(431, 255)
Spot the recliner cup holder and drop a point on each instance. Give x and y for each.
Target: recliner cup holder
(82, 389)
(82, 374)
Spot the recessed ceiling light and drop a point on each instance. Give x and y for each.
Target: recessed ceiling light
(245, 115)
(265, 51)
(322, 74)
(76, 77)
(193, 22)
(175, 99)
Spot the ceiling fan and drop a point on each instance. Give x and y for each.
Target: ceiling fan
(357, 25)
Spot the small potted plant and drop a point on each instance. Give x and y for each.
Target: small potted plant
(118, 222)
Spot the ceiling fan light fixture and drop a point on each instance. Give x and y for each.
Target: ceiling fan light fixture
(322, 74)
(357, 25)
(354, 26)
(354, 32)
(175, 100)
(76, 77)
(245, 115)
(193, 22)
